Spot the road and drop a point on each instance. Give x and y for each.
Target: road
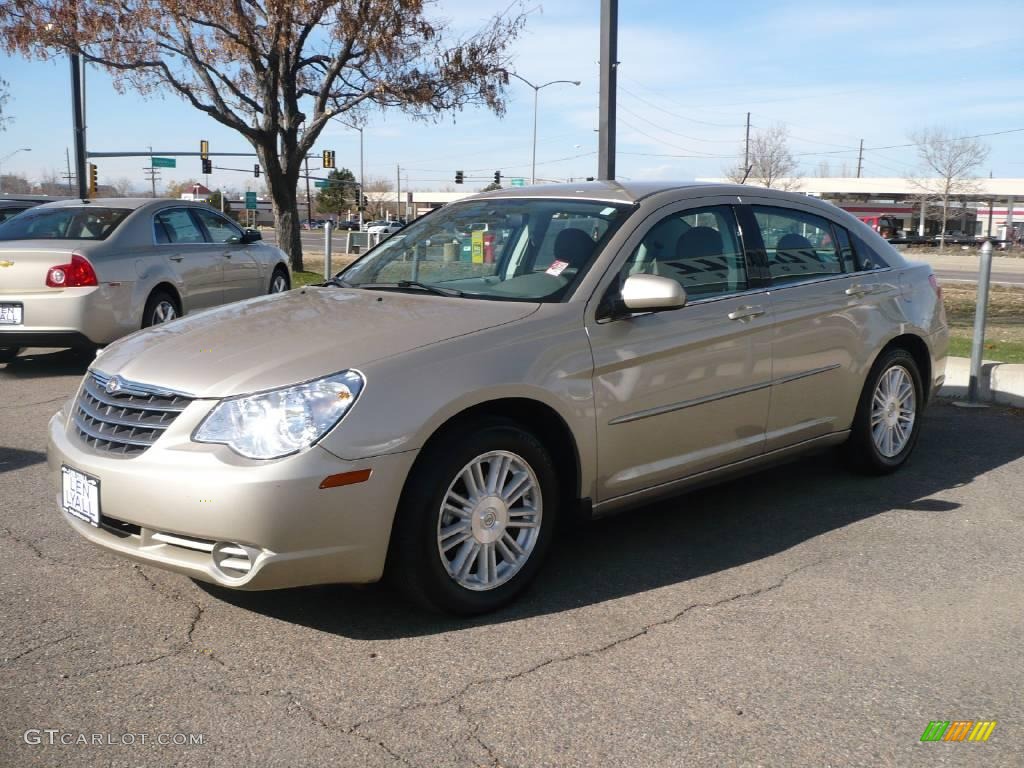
(801, 617)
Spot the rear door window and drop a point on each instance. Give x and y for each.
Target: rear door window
(177, 226)
(799, 245)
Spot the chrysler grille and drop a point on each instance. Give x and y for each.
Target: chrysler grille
(128, 418)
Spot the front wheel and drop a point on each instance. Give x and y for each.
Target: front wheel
(279, 282)
(887, 423)
(476, 519)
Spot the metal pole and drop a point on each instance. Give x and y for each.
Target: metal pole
(78, 119)
(533, 157)
(327, 249)
(152, 171)
(362, 201)
(978, 345)
(67, 157)
(609, 62)
(398, 193)
(309, 200)
(860, 158)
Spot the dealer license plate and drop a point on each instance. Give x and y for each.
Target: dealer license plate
(11, 314)
(80, 495)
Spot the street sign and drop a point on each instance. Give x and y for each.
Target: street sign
(164, 162)
(517, 182)
(321, 184)
(250, 201)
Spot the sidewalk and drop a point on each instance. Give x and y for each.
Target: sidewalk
(1001, 383)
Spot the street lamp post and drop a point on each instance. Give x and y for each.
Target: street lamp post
(536, 92)
(7, 157)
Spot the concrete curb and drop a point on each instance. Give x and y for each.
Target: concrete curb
(1001, 383)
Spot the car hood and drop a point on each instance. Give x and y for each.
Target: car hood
(286, 338)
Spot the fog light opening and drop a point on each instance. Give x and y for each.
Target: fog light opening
(232, 560)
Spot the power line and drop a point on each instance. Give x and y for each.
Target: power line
(676, 133)
(678, 116)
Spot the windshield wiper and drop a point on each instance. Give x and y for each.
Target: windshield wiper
(440, 291)
(336, 282)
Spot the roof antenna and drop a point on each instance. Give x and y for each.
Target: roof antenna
(746, 174)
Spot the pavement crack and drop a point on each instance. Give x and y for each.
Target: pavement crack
(39, 646)
(23, 541)
(29, 405)
(591, 652)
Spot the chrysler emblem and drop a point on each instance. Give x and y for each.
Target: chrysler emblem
(6, 263)
(114, 385)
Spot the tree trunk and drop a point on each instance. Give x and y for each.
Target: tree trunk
(945, 213)
(282, 182)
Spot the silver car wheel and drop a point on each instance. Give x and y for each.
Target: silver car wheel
(893, 410)
(489, 521)
(164, 312)
(279, 284)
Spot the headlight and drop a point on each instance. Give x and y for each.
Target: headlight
(269, 425)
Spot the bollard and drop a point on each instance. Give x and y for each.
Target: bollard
(978, 345)
(327, 250)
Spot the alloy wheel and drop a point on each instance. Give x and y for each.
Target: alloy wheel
(893, 411)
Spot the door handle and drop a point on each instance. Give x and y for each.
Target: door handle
(860, 290)
(746, 312)
(177, 258)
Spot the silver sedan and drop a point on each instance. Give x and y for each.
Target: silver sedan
(82, 273)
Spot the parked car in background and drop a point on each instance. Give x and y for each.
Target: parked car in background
(348, 224)
(81, 273)
(599, 346)
(384, 227)
(11, 208)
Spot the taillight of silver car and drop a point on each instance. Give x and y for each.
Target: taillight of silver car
(79, 273)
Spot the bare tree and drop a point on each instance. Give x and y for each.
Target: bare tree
(771, 164)
(378, 193)
(125, 187)
(948, 162)
(276, 72)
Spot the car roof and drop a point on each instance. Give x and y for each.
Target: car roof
(632, 191)
(131, 203)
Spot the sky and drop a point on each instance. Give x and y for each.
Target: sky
(832, 72)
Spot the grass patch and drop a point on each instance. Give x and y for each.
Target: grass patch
(1004, 326)
(306, 278)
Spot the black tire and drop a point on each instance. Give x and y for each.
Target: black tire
(280, 273)
(415, 562)
(8, 353)
(862, 448)
(155, 304)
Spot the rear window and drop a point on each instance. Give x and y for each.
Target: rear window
(79, 223)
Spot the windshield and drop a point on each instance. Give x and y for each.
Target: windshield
(80, 223)
(518, 249)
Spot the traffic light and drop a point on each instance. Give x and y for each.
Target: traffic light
(328, 160)
(92, 180)
(207, 166)
(256, 170)
(204, 149)
(459, 178)
(497, 177)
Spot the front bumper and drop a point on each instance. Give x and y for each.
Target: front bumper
(167, 506)
(72, 316)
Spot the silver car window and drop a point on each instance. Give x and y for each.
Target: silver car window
(176, 226)
(220, 229)
(799, 245)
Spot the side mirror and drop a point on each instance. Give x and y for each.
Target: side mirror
(251, 236)
(652, 293)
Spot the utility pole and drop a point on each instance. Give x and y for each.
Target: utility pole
(69, 177)
(860, 158)
(746, 145)
(78, 118)
(398, 193)
(151, 172)
(309, 200)
(609, 63)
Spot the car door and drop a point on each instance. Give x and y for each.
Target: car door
(195, 263)
(822, 303)
(242, 273)
(683, 391)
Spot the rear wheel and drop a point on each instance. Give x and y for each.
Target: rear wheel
(279, 282)
(8, 353)
(475, 520)
(161, 308)
(887, 423)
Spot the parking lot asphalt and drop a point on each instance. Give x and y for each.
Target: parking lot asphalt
(803, 616)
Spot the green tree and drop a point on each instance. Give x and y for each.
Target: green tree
(340, 192)
(491, 187)
(215, 201)
(277, 72)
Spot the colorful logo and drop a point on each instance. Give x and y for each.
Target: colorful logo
(958, 730)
